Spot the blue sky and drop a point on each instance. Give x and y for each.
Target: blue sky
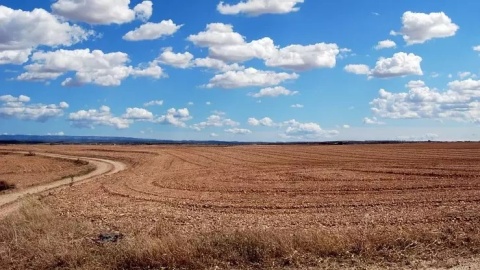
(251, 70)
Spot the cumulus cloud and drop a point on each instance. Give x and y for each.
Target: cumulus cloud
(175, 117)
(238, 131)
(96, 67)
(476, 48)
(460, 102)
(151, 31)
(385, 44)
(216, 64)
(294, 129)
(153, 103)
(266, 122)
(273, 92)
(16, 57)
(144, 10)
(20, 108)
(249, 77)
(421, 27)
(137, 114)
(297, 106)
(372, 121)
(401, 64)
(215, 120)
(357, 69)
(300, 58)
(304, 131)
(229, 46)
(259, 7)
(101, 117)
(23, 31)
(179, 60)
(217, 34)
(102, 11)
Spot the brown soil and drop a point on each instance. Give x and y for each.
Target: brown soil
(422, 187)
(27, 170)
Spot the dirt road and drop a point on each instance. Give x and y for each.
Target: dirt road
(8, 202)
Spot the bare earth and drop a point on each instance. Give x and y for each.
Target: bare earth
(91, 168)
(26, 171)
(291, 188)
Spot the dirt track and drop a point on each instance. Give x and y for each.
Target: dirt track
(103, 167)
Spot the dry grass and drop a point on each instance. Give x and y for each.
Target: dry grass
(37, 238)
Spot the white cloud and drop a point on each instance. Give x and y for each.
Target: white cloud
(238, 131)
(249, 77)
(16, 57)
(213, 135)
(23, 31)
(460, 102)
(421, 27)
(357, 69)
(304, 131)
(476, 48)
(175, 117)
(273, 92)
(153, 103)
(61, 133)
(372, 121)
(102, 11)
(179, 60)
(18, 107)
(105, 69)
(216, 64)
(266, 121)
(385, 44)
(466, 74)
(144, 10)
(300, 58)
(215, 120)
(401, 64)
(297, 106)
(151, 31)
(217, 34)
(228, 46)
(294, 129)
(101, 117)
(263, 48)
(137, 114)
(425, 137)
(258, 7)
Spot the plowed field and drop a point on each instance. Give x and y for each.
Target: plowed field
(284, 186)
(292, 188)
(25, 171)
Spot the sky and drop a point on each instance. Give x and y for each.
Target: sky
(250, 70)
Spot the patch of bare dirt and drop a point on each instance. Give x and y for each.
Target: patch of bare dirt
(27, 170)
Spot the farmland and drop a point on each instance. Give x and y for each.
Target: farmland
(398, 205)
(26, 170)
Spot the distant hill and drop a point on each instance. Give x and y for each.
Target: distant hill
(41, 139)
(44, 139)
